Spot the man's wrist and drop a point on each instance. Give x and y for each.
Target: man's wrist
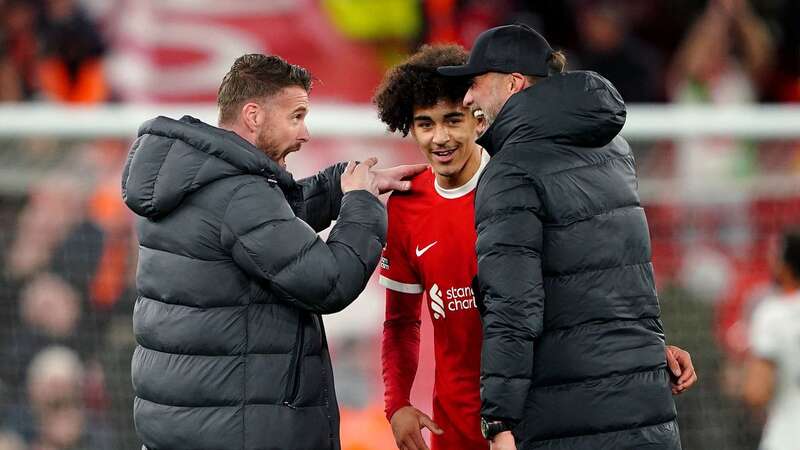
(491, 427)
(502, 436)
(392, 408)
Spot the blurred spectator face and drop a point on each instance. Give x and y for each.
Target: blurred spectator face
(54, 207)
(717, 57)
(18, 17)
(58, 202)
(602, 28)
(60, 10)
(51, 305)
(54, 386)
(282, 128)
(11, 441)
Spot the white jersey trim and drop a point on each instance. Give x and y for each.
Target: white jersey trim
(400, 287)
(467, 187)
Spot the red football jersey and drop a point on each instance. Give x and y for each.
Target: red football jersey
(430, 250)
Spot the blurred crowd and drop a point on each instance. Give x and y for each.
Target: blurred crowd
(67, 253)
(716, 51)
(50, 50)
(67, 260)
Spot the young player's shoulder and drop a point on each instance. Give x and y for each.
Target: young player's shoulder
(421, 189)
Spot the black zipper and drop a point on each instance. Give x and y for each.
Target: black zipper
(325, 394)
(294, 385)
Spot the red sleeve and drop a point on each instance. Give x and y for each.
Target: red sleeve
(400, 348)
(397, 271)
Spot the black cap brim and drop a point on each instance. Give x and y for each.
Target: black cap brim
(460, 71)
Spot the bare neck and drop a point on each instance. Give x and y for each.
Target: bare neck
(241, 130)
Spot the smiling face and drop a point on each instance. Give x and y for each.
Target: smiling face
(446, 133)
(282, 129)
(488, 93)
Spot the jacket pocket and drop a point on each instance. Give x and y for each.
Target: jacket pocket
(293, 383)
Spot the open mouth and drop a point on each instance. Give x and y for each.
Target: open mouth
(282, 160)
(444, 155)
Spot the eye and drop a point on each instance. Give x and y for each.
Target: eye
(455, 121)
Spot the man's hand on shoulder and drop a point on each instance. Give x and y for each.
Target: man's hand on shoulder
(394, 178)
(358, 176)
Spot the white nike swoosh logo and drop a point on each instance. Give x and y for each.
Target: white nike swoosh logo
(420, 252)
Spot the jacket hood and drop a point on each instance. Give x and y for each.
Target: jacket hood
(574, 108)
(173, 158)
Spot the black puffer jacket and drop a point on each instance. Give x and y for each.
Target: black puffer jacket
(232, 279)
(573, 344)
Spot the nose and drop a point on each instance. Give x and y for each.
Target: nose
(468, 98)
(440, 135)
(304, 135)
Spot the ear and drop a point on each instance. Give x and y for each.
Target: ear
(252, 116)
(518, 82)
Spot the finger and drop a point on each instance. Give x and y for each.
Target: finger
(672, 362)
(685, 361)
(688, 378)
(411, 169)
(406, 443)
(370, 162)
(396, 185)
(430, 424)
(410, 442)
(351, 165)
(419, 442)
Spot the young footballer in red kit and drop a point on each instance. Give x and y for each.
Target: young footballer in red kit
(430, 255)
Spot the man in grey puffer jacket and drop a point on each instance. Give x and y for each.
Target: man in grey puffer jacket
(232, 277)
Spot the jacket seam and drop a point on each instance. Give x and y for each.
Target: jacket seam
(550, 387)
(599, 163)
(244, 354)
(250, 257)
(606, 212)
(620, 430)
(228, 207)
(200, 169)
(225, 405)
(158, 172)
(182, 255)
(604, 269)
(217, 355)
(596, 322)
(147, 297)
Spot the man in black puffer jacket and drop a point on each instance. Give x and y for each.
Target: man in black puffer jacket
(573, 347)
(232, 277)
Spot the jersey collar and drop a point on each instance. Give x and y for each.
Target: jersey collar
(467, 187)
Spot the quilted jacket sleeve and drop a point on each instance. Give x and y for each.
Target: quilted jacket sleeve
(273, 245)
(509, 250)
(322, 197)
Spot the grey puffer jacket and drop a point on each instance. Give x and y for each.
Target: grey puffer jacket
(573, 346)
(232, 280)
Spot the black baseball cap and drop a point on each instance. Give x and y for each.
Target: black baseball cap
(505, 49)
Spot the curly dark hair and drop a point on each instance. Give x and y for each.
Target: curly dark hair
(415, 84)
